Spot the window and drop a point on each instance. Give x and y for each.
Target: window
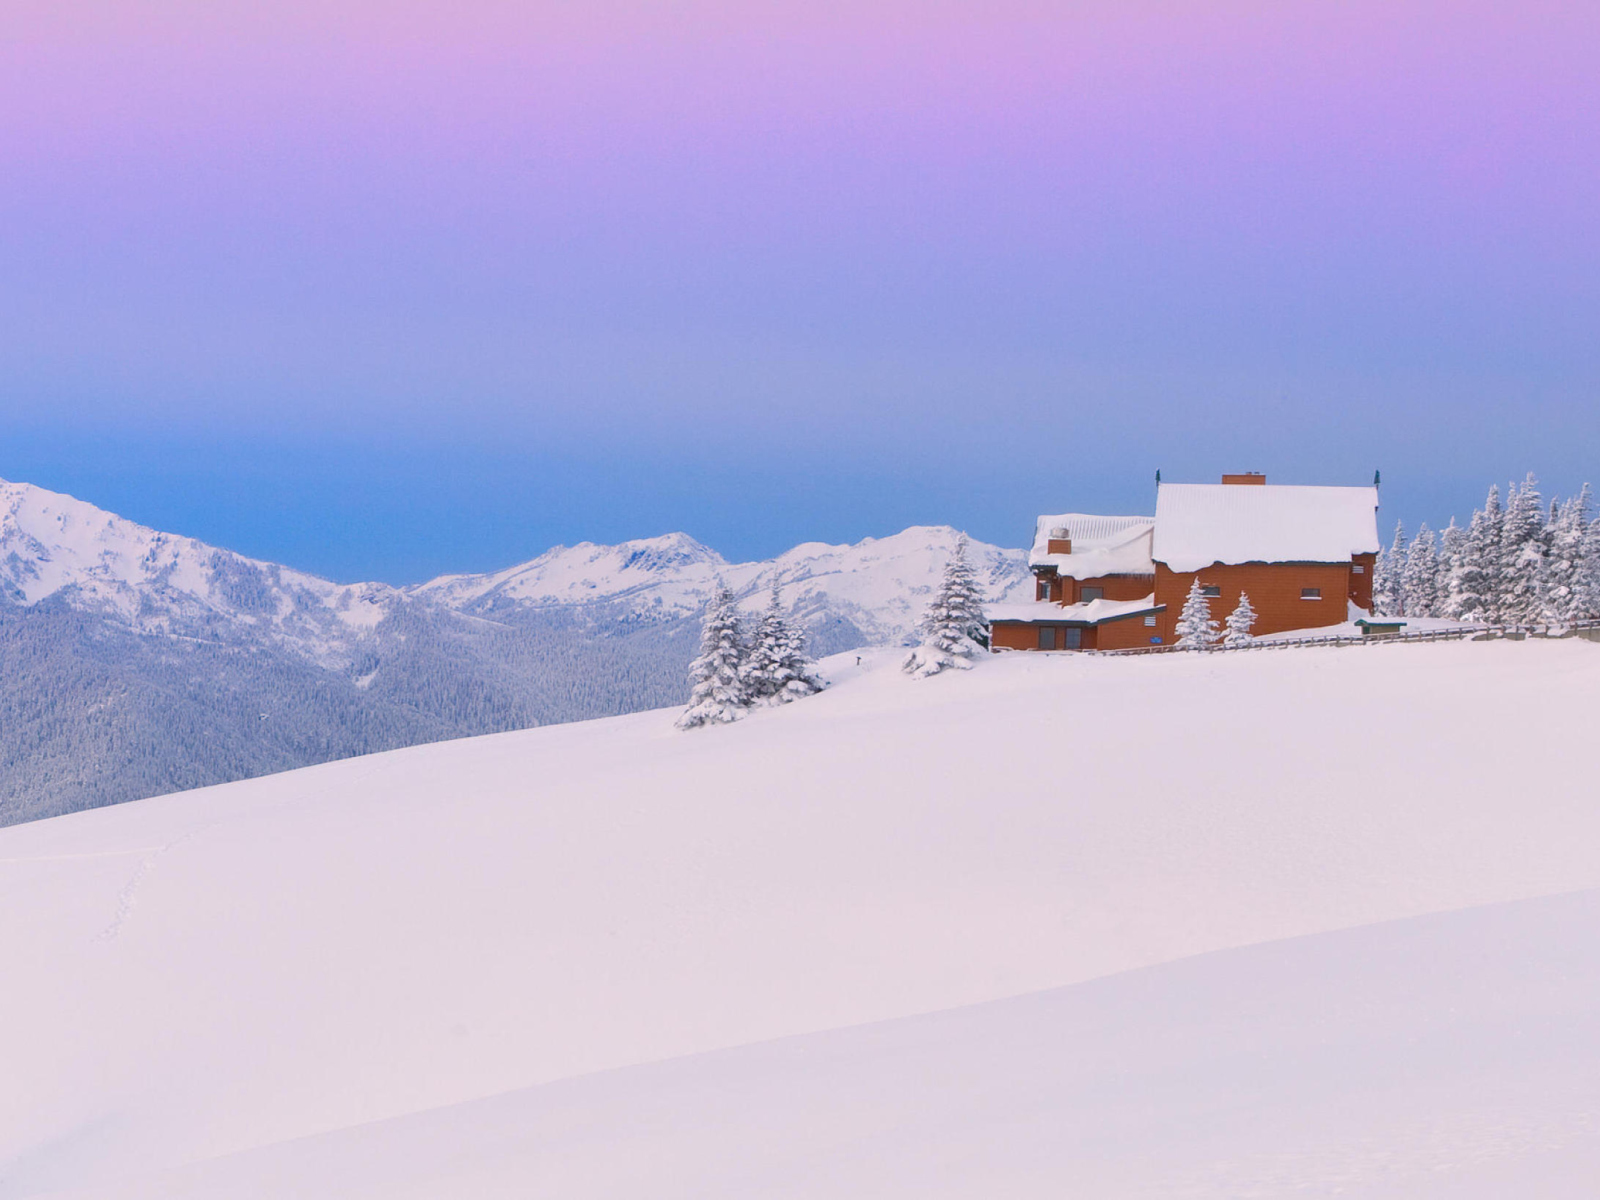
(1211, 590)
(1047, 637)
(1150, 621)
(1311, 593)
(1042, 591)
(1357, 569)
(1091, 593)
(1074, 638)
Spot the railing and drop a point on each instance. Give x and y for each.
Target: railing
(1588, 629)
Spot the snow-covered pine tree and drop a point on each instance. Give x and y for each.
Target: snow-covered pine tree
(954, 628)
(1421, 579)
(1452, 555)
(1522, 551)
(1240, 622)
(778, 669)
(1388, 582)
(1196, 629)
(1589, 570)
(720, 692)
(1560, 586)
(1478, 589)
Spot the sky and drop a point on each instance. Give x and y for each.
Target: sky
(385, 290)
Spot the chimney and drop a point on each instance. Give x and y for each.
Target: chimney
(1246, 477)
(1059, 541)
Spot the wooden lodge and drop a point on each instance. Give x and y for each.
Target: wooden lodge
(1304, 555)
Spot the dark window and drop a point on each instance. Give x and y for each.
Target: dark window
(1074, 637)
(1210, 590)
(1311, 593)
(1091, 593)
(1047, 637)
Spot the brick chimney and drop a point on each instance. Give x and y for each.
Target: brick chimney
(1059, 541)
(1246, 477)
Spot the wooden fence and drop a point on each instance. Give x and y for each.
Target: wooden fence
(1589, 630)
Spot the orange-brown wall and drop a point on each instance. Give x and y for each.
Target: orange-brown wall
(1111, 635)
(1127, 633)
(1116, 587)
(1014, 637)
(1361, 582)
(1274, 590)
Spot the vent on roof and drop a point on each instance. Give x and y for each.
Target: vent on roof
(1059, 541)
(1246, 477)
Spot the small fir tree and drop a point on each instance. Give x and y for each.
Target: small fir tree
(778, 669)
(1196, 629)
(954, 629)
(1240, 622)
(720, 692)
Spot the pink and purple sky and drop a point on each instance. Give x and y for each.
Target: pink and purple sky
(383, 290)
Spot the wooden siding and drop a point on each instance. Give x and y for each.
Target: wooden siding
(1274, 590)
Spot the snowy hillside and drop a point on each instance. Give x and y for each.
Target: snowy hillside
(474, 969)
(135, 662)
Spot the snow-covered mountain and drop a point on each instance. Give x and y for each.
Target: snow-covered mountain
(1295, 927)
(134, 662)
(878, 586)
(55, 546)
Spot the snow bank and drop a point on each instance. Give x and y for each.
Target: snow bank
(228, 969)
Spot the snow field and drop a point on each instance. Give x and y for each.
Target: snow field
(1441, 1056)
(207, 973)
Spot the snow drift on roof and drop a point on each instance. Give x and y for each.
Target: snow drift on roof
(1090, 612)
(1100, 545)
(1198, 524)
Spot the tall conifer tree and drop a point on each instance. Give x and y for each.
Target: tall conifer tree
(720, 692)
(1421, 580)
(954, 629)
(1479, 586)
(1522, 552)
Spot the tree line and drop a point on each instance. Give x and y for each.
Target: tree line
(1517, 562)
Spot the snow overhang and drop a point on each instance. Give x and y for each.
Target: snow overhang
(1101, 545)
(1095, 612)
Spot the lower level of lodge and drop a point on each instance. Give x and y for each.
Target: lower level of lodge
(1094, 615)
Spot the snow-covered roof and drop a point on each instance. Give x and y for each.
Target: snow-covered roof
(1100, 545)
(1198, 524)
(1095, 612)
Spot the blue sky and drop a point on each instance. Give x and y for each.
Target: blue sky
(387, 291)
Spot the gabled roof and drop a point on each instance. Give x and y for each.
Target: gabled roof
(1100, 545)
(1198, 524)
